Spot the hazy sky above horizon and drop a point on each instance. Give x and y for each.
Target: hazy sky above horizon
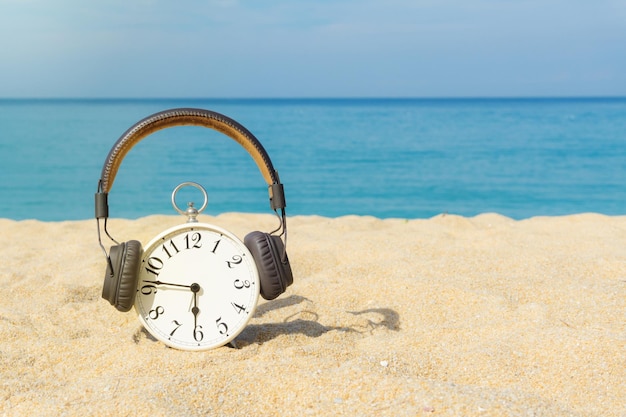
(323, 48)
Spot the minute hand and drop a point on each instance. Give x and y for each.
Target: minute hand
(167, 283)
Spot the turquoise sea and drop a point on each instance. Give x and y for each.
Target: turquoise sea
(404, 158)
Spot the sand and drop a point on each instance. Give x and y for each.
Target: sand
(482, 316)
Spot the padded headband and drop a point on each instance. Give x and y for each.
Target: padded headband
(188, 117)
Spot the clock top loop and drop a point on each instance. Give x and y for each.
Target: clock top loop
(191, 211)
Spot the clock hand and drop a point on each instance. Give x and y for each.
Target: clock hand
(168, 283)
(195, 310)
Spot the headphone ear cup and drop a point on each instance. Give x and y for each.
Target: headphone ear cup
(274, 274)
(120, 285)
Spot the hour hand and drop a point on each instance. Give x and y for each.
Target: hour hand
(167, 283)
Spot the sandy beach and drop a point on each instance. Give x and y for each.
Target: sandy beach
(482, 316)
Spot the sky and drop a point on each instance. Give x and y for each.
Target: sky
(312, 48)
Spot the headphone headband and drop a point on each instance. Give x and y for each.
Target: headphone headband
(186, 117)
(189, 117)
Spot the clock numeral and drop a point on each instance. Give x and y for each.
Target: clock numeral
(197, 333)
(238, 308)
(239, 284)
(195, 239)
(154, 314)
(217, 242)
(148, 289)
(236, 260)
(175, 328)
(221, 326)
(154, 265)
(173, 246)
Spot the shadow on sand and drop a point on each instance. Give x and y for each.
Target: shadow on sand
(307, 322)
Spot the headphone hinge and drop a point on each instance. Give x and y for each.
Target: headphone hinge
(102, 205)
(277, 196)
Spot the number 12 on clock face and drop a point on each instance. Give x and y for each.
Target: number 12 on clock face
(198, 287)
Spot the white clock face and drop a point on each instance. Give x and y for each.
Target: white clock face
(198, 287)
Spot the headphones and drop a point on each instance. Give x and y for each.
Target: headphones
(124, 259)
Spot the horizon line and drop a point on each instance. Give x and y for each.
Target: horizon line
(309, 98)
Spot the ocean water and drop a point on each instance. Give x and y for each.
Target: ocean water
(400, 158)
